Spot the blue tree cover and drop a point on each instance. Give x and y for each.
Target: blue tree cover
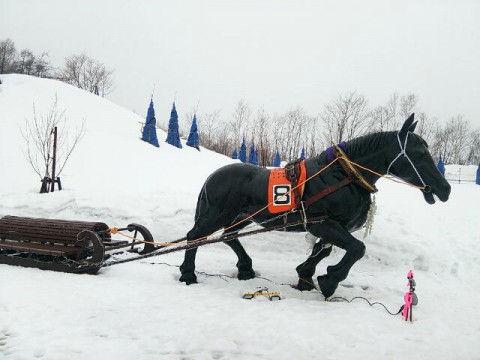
(252, 157)
(235, 154)
(149, 133)
(193, 139)
(277, 160)
(441, 166)
(302, 154)
(255, 158)
(173, 137)
(477, 180)
(243, 152)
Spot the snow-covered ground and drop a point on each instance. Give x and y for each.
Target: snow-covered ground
(140, 311)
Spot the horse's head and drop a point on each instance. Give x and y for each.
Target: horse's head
(411, 161)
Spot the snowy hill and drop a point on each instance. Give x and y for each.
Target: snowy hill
(140, 311)
(111, 166)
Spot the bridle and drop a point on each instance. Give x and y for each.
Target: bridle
(403, 151)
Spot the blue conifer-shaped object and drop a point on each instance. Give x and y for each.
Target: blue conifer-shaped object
(441, 166)
(251, 155)
(477, 180)
(243, 152)
(235, 154)
(255, 157)
(193, 139)
(277, 160)
(149, 133)
(302, 154)
(173, 137)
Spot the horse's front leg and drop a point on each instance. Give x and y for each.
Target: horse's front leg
(306, 270)
(334, 233)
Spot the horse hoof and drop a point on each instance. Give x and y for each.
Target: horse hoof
(327, 286)
(188, 279)
(246, 275)
(305, 284)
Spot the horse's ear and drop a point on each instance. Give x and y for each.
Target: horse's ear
(414, 125)
(408, 125)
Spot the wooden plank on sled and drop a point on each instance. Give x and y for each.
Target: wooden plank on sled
(47, 236)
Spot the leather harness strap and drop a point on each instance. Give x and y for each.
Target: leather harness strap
(352, 176)
(292, 173)
(328, 191)
(351, 171)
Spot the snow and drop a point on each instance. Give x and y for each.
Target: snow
(139, 310)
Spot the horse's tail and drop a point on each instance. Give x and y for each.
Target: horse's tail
(202, 201)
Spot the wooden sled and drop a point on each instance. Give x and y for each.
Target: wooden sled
(61, 245)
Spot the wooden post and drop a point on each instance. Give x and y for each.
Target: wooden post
(54, 159)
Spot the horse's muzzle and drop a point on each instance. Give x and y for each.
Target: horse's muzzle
(442, 192)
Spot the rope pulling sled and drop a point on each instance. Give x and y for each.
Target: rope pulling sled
(60, 245)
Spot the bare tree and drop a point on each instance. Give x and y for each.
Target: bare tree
(41, 66)
(453, 141)
(389, 116)
(474, 151)
(29, 64)
(386, 117)
(408, 105)
(8, 55)
(88, 74)
(426, 127)
(208, 125)
(345, 118)
(39, 141)
(288, 132)
(240, 121)
(380, 119)
(222, 143)
(316, 143)
(24, 63)
(260, 129)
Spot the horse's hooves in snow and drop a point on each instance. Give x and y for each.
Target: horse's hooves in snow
(246, 275)
(327, 286)
(188, 279)
(305, 284)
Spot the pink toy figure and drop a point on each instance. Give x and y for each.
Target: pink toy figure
(409, 297)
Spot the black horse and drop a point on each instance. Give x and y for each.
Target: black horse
(234, 192)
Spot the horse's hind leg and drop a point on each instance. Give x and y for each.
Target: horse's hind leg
(187, 268)
(244, 264)
(201, 229)
(205, 225)
(306, 270)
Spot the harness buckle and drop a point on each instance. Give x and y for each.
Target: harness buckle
(292, 170)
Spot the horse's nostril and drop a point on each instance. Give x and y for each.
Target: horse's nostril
(427, 189)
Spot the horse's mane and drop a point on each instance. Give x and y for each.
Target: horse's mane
(370, 143)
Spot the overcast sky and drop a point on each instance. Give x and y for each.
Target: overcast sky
(271, 53)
